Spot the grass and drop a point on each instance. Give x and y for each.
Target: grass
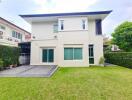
(94, 83)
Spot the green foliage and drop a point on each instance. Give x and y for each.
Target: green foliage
(119, 58)
(1, 63)
(107, 49)
(107, 42)
(122, 36)
(9, 55)
(102, 60)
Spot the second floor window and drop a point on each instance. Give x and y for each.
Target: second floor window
(55, 28)
(62, 25)
(16, 35)
(84, 24)
(2, 27)
(13, 34)
(21, 36)
(98, 26)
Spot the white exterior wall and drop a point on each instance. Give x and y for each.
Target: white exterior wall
(72, 36)
(36, 51)
(73, 23)
(43, 30)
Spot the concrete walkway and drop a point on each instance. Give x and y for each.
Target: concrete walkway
(29, 71)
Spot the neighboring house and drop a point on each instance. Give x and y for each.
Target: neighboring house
(115, 48)
(11, 35)
(108, 44)
(66, 39)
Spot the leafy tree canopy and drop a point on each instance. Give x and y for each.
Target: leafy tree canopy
(122, 36)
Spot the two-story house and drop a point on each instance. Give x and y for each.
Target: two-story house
(11, 35)
(66, 39)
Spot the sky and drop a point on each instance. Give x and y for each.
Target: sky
(122, 10)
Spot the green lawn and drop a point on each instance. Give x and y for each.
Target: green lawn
(94, 83)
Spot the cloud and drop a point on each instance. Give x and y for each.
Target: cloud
(10, 9)
(49, 6)
(121, 12)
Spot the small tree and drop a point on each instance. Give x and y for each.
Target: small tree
(102, 61)
(1, 63)
(107, 49)
(122, 36)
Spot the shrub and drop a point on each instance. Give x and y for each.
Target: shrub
(107, 49)
(102, 60)
(9, 55)
(119, 58)
(1, 63)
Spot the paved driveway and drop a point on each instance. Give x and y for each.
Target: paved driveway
(29, 71)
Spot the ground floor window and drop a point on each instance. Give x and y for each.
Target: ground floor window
(72, 53)
(91, 54)
(48, 55)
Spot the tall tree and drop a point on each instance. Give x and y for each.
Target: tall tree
(122, 36)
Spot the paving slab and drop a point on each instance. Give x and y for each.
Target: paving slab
(29, 71)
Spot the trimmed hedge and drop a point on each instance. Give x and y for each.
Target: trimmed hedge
(9, 55)
(119, 58)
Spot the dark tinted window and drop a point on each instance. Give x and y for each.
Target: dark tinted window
(98, 26)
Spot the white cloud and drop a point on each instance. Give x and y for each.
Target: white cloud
(128, 12)
(49, 6)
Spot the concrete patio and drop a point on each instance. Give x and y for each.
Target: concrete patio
(29, 71)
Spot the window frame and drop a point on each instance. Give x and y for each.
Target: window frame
(73, 53)
(19, 36)
(84, 24)
(48, 60)
(91, 55)
(61, 25)
(98, 26)
(16, 35)
(2, 27)
(55, 28)
(13, 34)
(75, 58)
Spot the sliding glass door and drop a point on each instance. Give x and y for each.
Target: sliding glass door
(48, 55)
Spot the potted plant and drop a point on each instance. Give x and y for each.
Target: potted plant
(11, 66)
(102, 61)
